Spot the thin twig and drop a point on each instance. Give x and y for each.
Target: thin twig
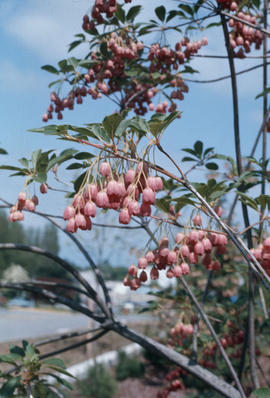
(196, 324)
(212, 331)
(55, 297)
(65, 336)
(218, 79)
(63, 263)
(73, 346)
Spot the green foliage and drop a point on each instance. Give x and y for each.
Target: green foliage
(99, 383)
(128, 366)
(261, 393)
(30, 372)
(201, 155)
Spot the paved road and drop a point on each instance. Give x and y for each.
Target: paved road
(17, 324)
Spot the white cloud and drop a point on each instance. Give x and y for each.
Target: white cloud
(46, 27)
(14, 77)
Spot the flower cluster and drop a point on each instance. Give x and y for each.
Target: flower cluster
(107, 73)
(132, 194)
(195, 247)
(24, 203)
(262, 254)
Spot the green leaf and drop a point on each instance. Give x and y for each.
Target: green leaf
(35, 157)
(40, 177)
(53, 83)
(257, 3)
(207, 151)
(60, 380)
(172, 14)
(211, 166)
(122, 127)
(133, 12)
(14, 349)
(264, 201)
(160, 13)
(51, 129)
(189, 69)
(182, 202)
(74, 44)
(266, 91)
(82, 130)
(64, 66)
(51, 69)
(78, 182)
(163, 204)
(213, 24)
(146, 29)
(120, 14)
(74, 166)
(7, 167)
(60, 370)
(63, 157)
(9, 387)
(158, 123)
(261, 393)
(30, 351)
(3, 151)
(83, 156)
(140, 125)
(74, 62)
(103, 49)
(55, 362)
(42, 390)
(110, 123)
(188, 159)
(10, 358)
(99, 132)
(198, 147)
(24, 162)
(187, 9)
(189, 150)
(249, 201)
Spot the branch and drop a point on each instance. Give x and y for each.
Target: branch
(259, 134)
(218, 79)
(67, 336)
(212, 331)
(32, 249)
(52, 296)
(226, 56)
(55, 284)
(251, 321)
(180, 360)
(196, 324)
(107, 311)
(75, 345)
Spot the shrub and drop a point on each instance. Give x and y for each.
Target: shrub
(128, 366)
(99, 383)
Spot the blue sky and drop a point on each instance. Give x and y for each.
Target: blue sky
(37, 32)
